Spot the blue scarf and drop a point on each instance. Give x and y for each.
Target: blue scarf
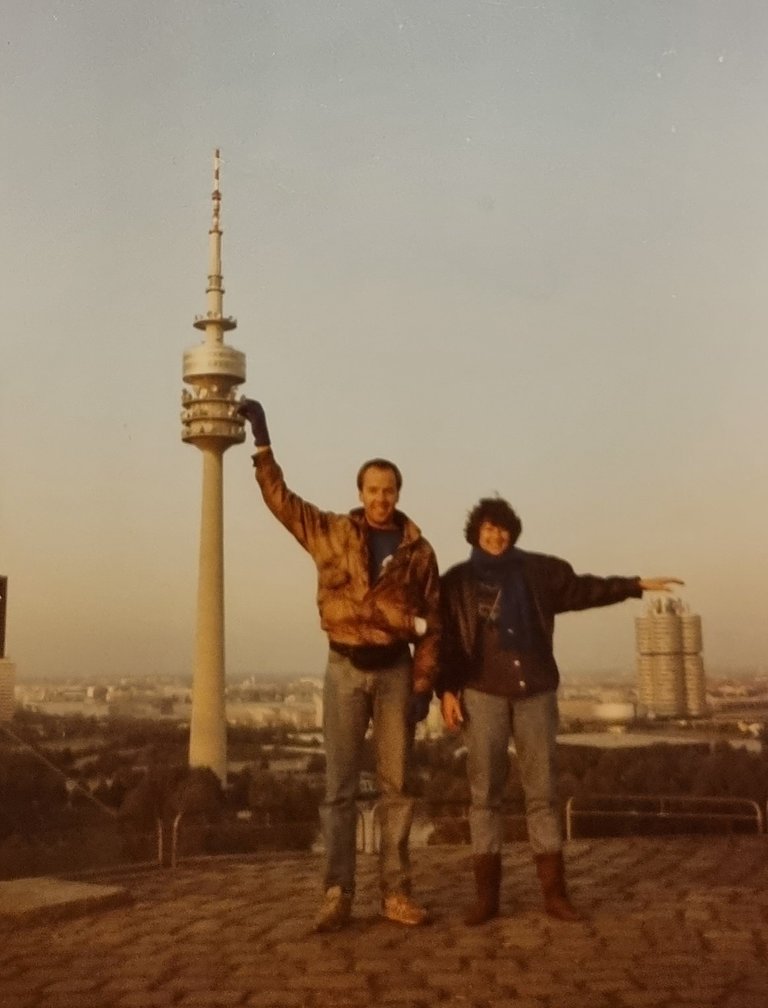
(515, 617)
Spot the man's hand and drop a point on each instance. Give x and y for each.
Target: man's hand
(254, 413)
(660, 584)
(419, 626)
(418, 707)
(450, 708)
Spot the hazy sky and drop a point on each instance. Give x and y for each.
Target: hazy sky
(517, 247)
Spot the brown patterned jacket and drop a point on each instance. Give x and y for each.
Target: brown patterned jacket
(352, 611)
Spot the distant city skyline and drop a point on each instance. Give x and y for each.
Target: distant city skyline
(516, 248)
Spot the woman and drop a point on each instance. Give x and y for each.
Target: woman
(498, 678)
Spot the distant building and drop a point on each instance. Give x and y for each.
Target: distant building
(7, 667)
(611, 712)
(259, 714)
(7, 689)
(671, 680)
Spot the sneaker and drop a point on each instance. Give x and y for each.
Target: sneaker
(401, 909)
(334, 911)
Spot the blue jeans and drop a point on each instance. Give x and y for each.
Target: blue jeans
(532, 722)
(352, 698)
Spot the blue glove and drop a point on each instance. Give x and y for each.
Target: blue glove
(418, 707)
(254, 413)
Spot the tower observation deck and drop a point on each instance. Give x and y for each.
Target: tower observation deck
(213, 369)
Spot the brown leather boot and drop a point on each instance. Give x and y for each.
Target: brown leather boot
(551, 872)
(487, 869)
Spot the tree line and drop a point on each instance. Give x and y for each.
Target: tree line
(75, 794)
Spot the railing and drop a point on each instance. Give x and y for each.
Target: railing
(369, 821)
(672, 808)
(633, 810)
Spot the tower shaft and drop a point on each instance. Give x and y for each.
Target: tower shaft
(207, 735)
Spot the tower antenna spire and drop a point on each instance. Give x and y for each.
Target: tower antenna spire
(216, 194)
(214, 323)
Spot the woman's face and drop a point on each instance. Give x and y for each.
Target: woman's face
(493, 539)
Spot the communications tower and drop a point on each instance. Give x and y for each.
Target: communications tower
(210, 422)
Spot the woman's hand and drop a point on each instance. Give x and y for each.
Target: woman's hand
(450, 708)
(660, 584)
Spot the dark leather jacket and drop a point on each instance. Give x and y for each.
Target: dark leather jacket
(554, 588)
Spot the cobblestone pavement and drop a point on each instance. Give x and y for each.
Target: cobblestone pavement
(673, 923)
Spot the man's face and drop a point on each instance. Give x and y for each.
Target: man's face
(379, 496)
(493, 539)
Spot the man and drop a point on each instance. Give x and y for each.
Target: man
(498, 677)
(378, 593)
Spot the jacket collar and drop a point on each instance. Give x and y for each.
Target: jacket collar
(411, 531)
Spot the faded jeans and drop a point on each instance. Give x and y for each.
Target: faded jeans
(351, 698)
(532, 722)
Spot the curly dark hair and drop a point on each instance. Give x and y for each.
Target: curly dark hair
(496, 511)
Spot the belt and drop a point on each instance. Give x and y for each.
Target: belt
(371, 656)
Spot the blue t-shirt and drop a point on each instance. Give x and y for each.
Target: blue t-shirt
(382, 543)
